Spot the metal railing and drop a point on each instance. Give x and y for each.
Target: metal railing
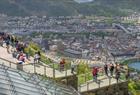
(40, 68)
(32, 69)
(92, 84)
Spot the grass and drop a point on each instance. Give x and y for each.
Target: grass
(83, 78)
(33, 48)
(134, 87)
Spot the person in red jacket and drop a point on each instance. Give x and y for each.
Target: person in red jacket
(62, 64)
(95, 73)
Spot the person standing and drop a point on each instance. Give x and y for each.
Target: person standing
(117, 76)
(117, 72)
(111, 69)
(35, 58)
(95, 73)
(39, 56)
(8, 46)
(62, 64)
(106, 69)
(72, 67)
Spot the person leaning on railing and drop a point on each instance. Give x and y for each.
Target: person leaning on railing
(22, 59)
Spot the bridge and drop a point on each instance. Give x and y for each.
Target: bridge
(121, 27)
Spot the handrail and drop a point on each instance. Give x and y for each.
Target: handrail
(10, 61)
(23, 64)
(7, 60)
(34, 67)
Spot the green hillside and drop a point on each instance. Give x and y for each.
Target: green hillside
(68, 7)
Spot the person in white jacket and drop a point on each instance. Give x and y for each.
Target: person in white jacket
(72, 66)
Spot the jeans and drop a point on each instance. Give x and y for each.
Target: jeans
(95, 78)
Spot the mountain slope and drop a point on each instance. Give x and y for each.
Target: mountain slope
(68, 7)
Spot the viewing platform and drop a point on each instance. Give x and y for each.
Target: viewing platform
(43, 69)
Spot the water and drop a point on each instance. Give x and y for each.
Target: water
(135, 65)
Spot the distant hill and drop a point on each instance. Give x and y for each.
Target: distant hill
(68, 7)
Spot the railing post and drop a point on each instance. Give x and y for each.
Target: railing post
(66, 73)
(65, 70)
(44, 70)
(87, 86)
(53, 71)
(10, 64)
(34, 68)
(109, 80)
(20, 66)
(85, 77)
(80, 88)
(99, 84)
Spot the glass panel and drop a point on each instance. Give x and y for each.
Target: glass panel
(23, 87)
(28, 87)
(27, 91)
(4, 91)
